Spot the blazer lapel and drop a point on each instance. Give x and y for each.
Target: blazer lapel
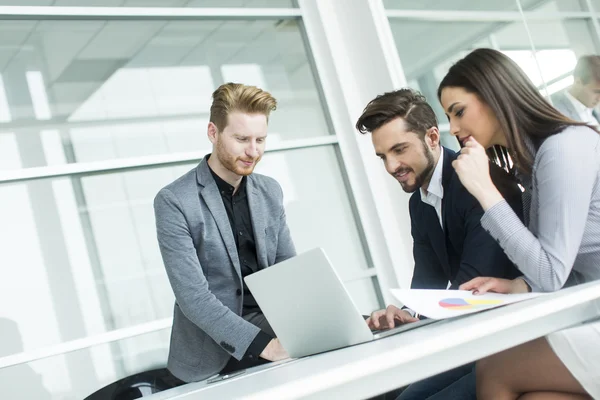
(437, 236)
(210, 193)
(258, 211)
(447, 171)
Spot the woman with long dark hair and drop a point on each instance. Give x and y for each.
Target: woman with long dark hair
(490, 102)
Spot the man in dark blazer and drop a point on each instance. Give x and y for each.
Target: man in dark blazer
(217, 224)
(450, 245)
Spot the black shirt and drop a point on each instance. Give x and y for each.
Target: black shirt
(238, 212)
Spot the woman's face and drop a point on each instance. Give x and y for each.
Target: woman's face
(469, 116)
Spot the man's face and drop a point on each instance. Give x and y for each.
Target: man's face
(240, 146)
(406, 157)
(589, 93)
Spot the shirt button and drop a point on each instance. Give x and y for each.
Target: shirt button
(241, 233)
(238, 292)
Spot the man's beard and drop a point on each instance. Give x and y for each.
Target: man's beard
(230, 162)
(422, 177)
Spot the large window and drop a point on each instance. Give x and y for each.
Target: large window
(120, 89)
(95, 117)
(443, 32)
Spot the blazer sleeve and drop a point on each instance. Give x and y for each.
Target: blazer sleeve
(428, 272)
(481, 255)
(196, 301)
(285, 244)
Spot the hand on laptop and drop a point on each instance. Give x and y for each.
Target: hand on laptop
(274, 351)
(386, 319)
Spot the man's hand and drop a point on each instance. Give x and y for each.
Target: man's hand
(274, 351)
(483, 285)
(386, 319)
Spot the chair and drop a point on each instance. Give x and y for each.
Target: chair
(142, 384)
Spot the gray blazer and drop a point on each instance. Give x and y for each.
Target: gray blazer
(200, 256)
(561, 102)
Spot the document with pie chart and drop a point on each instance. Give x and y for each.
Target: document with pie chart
(440, 304)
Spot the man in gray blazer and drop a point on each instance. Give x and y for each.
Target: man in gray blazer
(217, 224)
(578, 102)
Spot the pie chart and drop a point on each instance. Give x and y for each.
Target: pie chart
(468, 304)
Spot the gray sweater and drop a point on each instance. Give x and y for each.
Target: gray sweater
(562, 238)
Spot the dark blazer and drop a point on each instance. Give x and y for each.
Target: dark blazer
(463, 250)
(200, 256)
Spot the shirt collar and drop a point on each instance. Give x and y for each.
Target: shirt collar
(224, 187)
(435, 184)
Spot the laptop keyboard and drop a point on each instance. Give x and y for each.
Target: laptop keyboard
(403, 328)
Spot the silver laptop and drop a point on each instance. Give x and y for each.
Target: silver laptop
(309, 308)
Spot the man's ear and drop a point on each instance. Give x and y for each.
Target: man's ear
(432, 137)
(212, 132)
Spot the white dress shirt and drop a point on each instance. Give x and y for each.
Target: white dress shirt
(585, 114)
(435, 191)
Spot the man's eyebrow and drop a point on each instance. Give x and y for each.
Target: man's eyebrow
(394, 147)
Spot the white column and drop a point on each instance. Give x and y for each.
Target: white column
(356, 59)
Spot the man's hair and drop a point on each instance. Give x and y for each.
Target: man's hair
(232, 97)
(587, 68)
(408, 104)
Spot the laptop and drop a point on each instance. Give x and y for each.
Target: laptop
(309, 308)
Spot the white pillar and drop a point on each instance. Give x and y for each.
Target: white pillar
(356, 59)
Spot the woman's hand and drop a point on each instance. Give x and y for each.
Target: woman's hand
(483, 285)
(473, 169)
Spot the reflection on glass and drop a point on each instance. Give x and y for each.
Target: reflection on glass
(128, 89)
(557, 56)
(440, 44)
(554, 66)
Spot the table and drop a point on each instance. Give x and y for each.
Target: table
(376, 367)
